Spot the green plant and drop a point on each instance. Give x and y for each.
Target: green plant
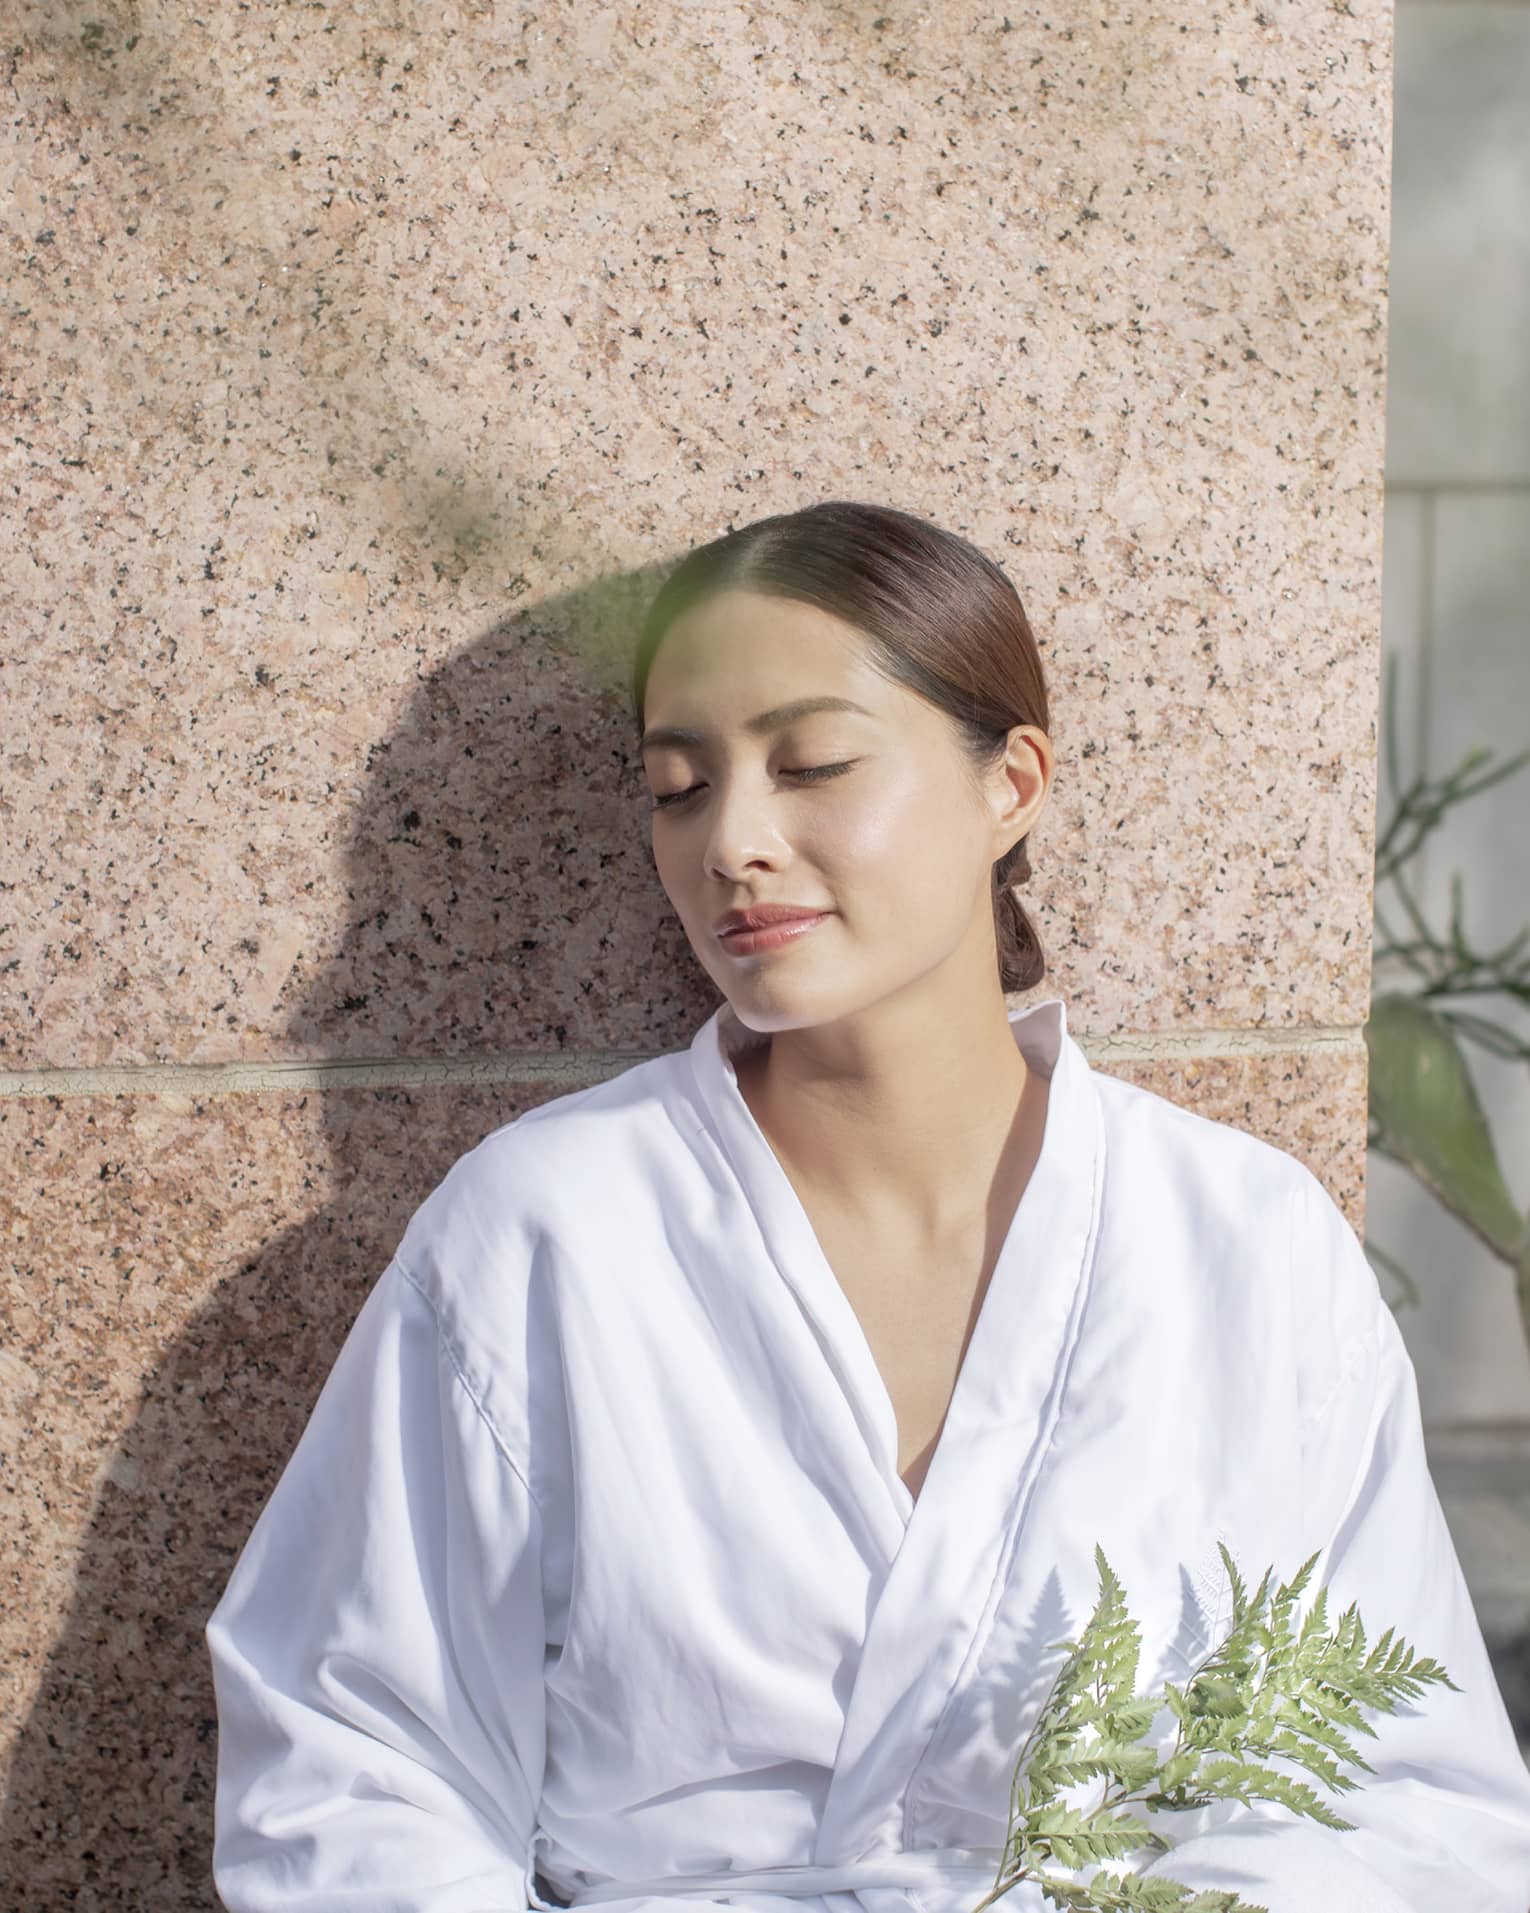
(1425, 1112)
(1265, 1691)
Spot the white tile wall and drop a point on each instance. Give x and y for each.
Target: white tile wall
(1456, 618)
(1458, 358)
(1456, 615)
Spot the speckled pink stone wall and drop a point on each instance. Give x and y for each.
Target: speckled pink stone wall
(365, 368)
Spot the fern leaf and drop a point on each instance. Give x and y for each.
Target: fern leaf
(1269, 1690)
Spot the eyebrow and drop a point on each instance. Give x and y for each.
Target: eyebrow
(775, 719)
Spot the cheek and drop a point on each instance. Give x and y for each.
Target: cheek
(875, 828)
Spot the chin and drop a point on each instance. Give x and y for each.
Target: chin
(771, 1007)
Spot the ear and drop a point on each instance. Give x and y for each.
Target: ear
(1021, 783)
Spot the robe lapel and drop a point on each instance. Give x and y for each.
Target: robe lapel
(946, 1553)
(794, 1249)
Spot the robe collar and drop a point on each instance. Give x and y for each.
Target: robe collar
(1053, 1228)
(942, 1553)
(1039, 1029)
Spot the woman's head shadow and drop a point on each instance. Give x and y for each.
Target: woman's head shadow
(502, 898)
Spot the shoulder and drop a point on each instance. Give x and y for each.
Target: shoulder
(489, 1247)
(558, 1165)
(1234, 1180)
(1256, 1217)
(566, 1189)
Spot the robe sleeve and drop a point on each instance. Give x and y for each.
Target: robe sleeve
(1443, 1823)
(378, 1651)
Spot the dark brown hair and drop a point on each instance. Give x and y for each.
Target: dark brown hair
(941, 618)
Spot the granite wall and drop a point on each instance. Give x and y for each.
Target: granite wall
(367, 365)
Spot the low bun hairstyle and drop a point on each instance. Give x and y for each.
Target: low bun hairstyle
(941, 618)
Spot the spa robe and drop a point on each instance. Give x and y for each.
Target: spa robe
(592, 1578)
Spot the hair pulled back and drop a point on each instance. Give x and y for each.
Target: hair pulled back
(941, 618)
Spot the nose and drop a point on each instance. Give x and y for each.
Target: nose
(739, 836)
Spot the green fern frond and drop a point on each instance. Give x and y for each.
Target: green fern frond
(1269, 1690)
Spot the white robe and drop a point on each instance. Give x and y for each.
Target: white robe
(593, 1574)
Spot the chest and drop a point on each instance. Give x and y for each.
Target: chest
(917, 1312)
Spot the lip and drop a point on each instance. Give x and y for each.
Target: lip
(759, 916)
(780, 925)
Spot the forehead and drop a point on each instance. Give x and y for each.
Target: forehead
(737, 651)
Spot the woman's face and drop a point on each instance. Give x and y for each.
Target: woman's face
(870, 815)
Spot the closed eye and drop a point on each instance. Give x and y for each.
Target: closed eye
(811, 773)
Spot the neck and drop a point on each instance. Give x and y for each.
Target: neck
(892, 1118)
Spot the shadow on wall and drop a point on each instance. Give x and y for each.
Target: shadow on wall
(500, 869)
(498, 866)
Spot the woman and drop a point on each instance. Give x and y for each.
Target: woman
(708, 1479)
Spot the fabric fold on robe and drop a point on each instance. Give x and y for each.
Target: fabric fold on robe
(378, 1654)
